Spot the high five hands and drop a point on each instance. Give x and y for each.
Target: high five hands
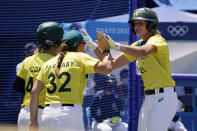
(104, 41)
(107, 40)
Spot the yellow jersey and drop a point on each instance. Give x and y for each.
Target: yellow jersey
(154, 68)
(28, 71)
(68, 87)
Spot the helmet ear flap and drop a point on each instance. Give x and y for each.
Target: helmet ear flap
(152, 26)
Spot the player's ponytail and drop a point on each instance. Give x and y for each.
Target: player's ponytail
(64, 48)
(36, 51)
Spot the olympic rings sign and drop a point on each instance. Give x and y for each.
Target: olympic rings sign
(178, 30)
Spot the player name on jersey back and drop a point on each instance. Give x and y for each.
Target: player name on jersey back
(64, 64)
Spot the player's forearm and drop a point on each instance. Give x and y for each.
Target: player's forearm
(34, 106)
(132, 50)
(113, 63)
(99, 54)
(109, 61)
(35, 93)
(105, 66)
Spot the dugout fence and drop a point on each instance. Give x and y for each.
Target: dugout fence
(19, 20)
(18, 28)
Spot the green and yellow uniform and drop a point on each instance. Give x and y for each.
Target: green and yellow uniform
(155, 68)
(28, 71)
(68, 87)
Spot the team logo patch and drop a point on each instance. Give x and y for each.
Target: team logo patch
(135, 14)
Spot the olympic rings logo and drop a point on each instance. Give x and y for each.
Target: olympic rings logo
(178, 30)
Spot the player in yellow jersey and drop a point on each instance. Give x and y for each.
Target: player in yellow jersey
(64, 77)
(29, 51)
(152, 56)
(49, 35)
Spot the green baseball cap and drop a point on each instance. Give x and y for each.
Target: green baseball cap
(73, 38)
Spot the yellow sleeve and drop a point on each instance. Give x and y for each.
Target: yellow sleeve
(129, 57)
(158, 41)
(88, 63)
(22, 73)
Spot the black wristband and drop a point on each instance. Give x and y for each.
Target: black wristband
(106, 51)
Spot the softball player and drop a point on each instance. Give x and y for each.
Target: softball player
(29, 51)
(64, 77)
(152, 56)
(49, 35)
(104, 101)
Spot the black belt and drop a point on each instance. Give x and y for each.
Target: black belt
(62, 104)
(41, 107)
(151, 92)
(38, 106)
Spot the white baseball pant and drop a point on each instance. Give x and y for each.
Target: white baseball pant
(158, 110)
(24, 118)
(56, 117)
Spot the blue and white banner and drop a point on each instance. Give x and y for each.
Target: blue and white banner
(119, 31)
(178, 30)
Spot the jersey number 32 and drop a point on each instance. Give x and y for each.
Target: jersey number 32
(63, 86)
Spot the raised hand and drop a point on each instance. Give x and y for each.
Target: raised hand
(102, 41)
(113, 45)
(91, 44)
(33, 126)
